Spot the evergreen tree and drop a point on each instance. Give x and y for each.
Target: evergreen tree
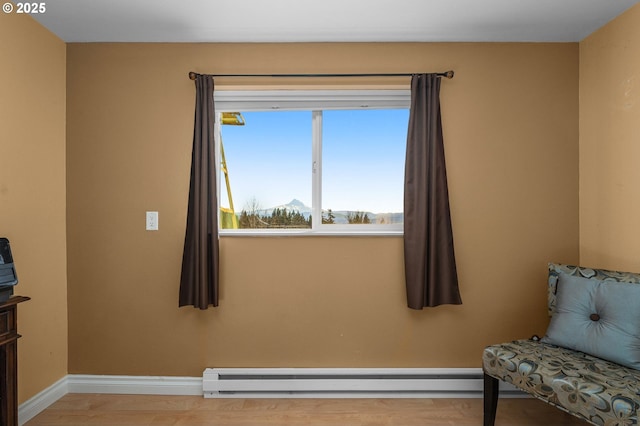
(279, 218)
(358, 218)
(330, 217)
(243, 221)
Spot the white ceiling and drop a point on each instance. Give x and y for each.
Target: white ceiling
(328, 20)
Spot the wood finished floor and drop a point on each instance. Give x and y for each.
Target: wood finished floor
(139, 410)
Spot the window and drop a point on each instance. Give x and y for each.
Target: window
(311, 162)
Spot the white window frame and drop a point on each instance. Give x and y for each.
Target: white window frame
(310, 100)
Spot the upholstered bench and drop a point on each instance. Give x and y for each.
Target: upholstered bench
(587, 363)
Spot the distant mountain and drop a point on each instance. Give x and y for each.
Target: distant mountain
(294, 205)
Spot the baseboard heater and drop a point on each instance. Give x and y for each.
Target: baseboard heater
(342, 382)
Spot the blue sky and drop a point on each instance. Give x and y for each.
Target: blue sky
(270, 158)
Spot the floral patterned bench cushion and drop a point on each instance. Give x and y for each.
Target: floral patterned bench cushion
(601, 392)
(598, 274)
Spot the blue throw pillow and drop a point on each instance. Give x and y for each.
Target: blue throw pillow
(555, 269)
(598, 318)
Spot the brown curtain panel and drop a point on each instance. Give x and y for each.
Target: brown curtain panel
(430, 264)
(200, 260)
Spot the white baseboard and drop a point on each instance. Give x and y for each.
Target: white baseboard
(84, 383)
(42, 400)
(139, 385)
(163, 385)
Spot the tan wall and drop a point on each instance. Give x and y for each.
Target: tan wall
(511, 134)
(32, 193)
(610, 145)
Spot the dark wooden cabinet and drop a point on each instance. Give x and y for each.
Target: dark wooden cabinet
(9, 360)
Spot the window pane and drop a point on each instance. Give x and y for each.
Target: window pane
(363, 166)
(269, 171)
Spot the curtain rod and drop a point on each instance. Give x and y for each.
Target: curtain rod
(192, 75)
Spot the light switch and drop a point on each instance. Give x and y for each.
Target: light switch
(152, 221)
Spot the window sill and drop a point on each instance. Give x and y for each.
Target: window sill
(309, 233)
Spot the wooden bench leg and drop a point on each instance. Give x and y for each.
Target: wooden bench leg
(491, 387)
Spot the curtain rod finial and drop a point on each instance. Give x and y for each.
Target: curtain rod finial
(192, 75)
(449, 74)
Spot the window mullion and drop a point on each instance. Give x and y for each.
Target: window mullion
(316, 165)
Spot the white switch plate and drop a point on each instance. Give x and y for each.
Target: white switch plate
(152, 221)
